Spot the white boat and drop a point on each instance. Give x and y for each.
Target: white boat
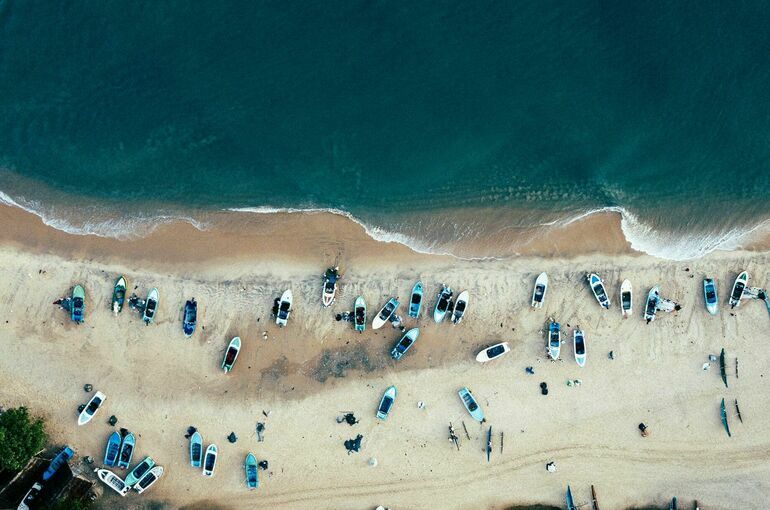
(600, 293)
(149, 478)
(284, 309)
(461, 306)
(30, 498)
(710, 295)
(626, 298)
(651, 306)
(442, 304)
(541, 287)
(113, 481)
(738, 287)
(579, 346)
(210, 460)
(384, 314)
(331, 276)
(493, 352)
(90, 410)
(386, 402)
(231, 354)
(150, 306)
(554, 340)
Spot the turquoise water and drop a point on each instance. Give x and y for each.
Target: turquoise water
(390, 111)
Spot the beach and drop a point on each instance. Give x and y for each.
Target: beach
(301, 378)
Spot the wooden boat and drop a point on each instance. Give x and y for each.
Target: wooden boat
(570, 500)
(149, 478)
(722, 367)
(93, 405)
(150, 306)
(471, 405)
(384, 314)
(461, 306)
(415, 301)
(250, 467)
(626, 298)
(359, 314)
(403, 345)
(113, 481)
(541, 287)
(210, 460)
(112, 450)
(492, 352)
(196, 450)
(723, 413)
(126, 451)
(489, 443)
(388, 398)
(231, 354)
(739, 286)
(61, 458)
(579, 347)
(139, 471)
(78, 307)
(119, 294)
(600, 293)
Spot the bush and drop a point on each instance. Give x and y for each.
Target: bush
(21, 437)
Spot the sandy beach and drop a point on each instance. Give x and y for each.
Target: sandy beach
(158, 383)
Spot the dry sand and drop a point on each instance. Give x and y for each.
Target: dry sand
(158, 383)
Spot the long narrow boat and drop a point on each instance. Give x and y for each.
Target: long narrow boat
(388, 398)
(415, 300)
(90, 410)
(600, 293)
(541, 287)
(471, 405)
(385, 313)
(119, 294)
(593, 498)
(626, 298)
(489, 443)
(722, 367)
(723, 413)
(210, 460)
(554, 340)
(196, 450)
(61, 458)
(579, 346)
(231, 354)
(359, 314)
(250, 467)
(492, 352)
(461, 306)
(442, 304)
(78, 308)
(738, 287)
(150, 306)
(139, 471)
(149, 478)
(710, 295)
(570, 501)
(403, 345)
(126, 451)
(113, 481)
(651, 306)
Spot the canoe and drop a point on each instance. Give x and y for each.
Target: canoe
(31, 497)
(723, 413)
(210, 460)
(231, 354)
(489, 443)
(359, 314)
(126, 451)
(554, 340)
(471, 405)
(570, 501)
(710, 295)
(112, 450)
(190, 318)
(541, 287)
(600, 293)
(388, 398)
(579, 346)
(403, 345)
(442, 304)
(93, 405)
(61, 458)
(626, 298)
(651, 307)
(284, 309)
(119, 294)
(149, 478)
(722, 367)
(384, 314)
(113, 481)
(738, 287)
(150, 306)
(196, 450)
(492, 352)
(78, 304)
(250, 467)
(330, 285)
(415, 301)
(461, 306)
(139, 471)
(673, 505)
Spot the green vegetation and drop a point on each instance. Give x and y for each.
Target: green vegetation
(69, 504)
(21, 437)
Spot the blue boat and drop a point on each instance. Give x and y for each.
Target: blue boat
(570, 501)
(112, 450)
(416, 300)
(388, 398)
(196, 450)
(78, 306)
(61, 458)
(190, 317)
(471, 405)
(126, 451)
(250, 466)
(139, 471)
(710, 295)
(554, 340)
(405, 343)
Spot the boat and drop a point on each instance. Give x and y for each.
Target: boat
(593, 498)
(470, 404)
(673, 505)
(710, 295)
(210, 460)
(626, 298)
(61, 458)
(442, 304)
(415, 301)
(149, 478)
(723, 413)
(78, 304)
(386, 402)
(93, 405)
(384, 314)
(403, 345)
(489, 443)
(722, 367)
(139, 471)
(461, 306)
(359, 314)
(113, 481)
(541, 287)
(112, 450)
(126, 451)
(119, 294)
(651, 307)
(600, 293)
(30, 497)
(190, 317)
(252, 476)
(579, 345)
(570, 501)
(554, 340)
(196, 450)
(492, 352)
(150, 306)
(738, 287)
(284, 309)
(231, 354)
(330, 285)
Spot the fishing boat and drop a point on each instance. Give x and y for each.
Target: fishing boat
(113, 481)
(150, 306)
(415, 301)
(541, 287)
(489, 443)
(722, 367)
(384, 314)
(651, 307)
(403, 345)
(126, 451)
(738, 287)
(330, 285)
(626, 298)
(470, 404)
(231, 354)
(442, 304)
(710, 295)
(359, 314)
(78, 307)
(461, 306)
(112, 450)
(119, 295)
(386, 402)
(554, 340)
(196, 450)
(723, 413)
(31, 497)
(210, 460)
(139, 471)
(492, 352)
(190, 317)
(93, 405)
(149, 478)
(673, 505)
(600, 293)
(570, 500)
(284, 309)
(61, 458)
(250, 467)
(579, 346)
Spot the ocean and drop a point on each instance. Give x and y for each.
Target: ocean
(430, 123)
